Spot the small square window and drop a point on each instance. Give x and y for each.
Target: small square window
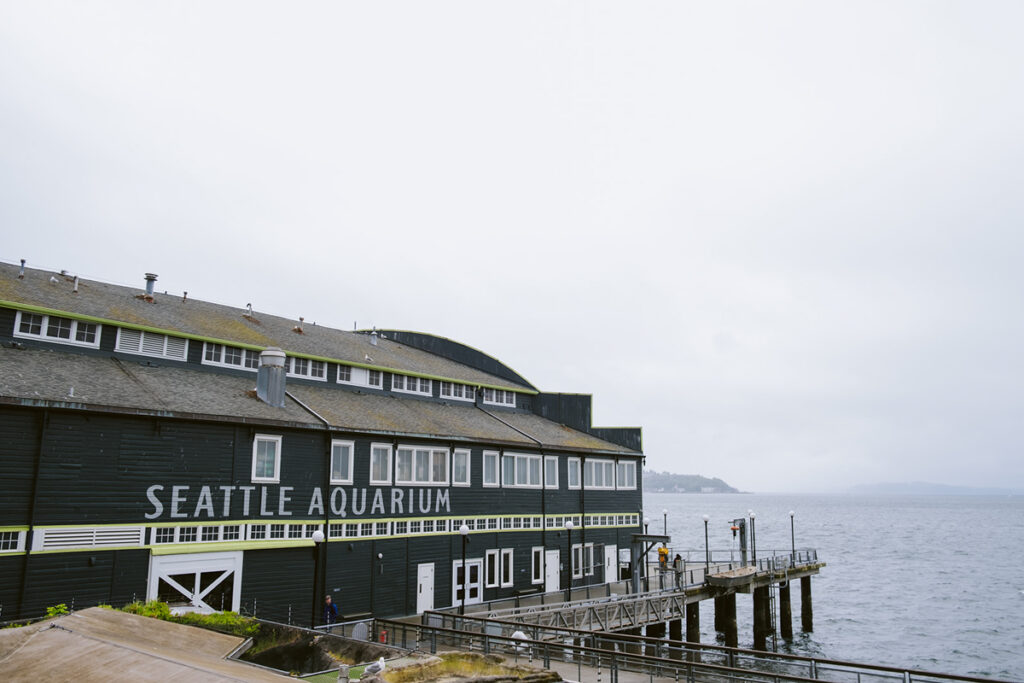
(266, 460)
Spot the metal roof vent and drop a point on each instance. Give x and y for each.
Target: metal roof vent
(150, 281)
(21, 272)
(373, 337)
(270, 377)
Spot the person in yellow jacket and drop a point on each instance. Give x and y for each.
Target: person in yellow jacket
(663, 557)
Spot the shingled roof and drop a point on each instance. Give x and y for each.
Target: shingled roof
(196, 319)
(41, 377)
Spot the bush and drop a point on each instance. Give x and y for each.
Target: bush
(231, 623)
(153, 608)
(57, 610)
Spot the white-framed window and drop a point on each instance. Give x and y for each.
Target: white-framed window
(537, 564)
(588, 559)
(598, 474)
(151, 344)
(499, 397)
(305, 367)
(341, 461)
(410, 385)
(12, 541)
(551, 471)
(625, 474)
(380, 463)
(507, 577)
(574, 473)
(459, 392)
(56, 329)
(460, 467)
(520, 471)
(420, 465)
(491, 569)
(266, 458)
(490, 469)
(230, 356)
(363, 377)
(577, 560)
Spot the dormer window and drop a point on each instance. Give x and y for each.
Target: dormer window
(348, 374)
(459, 392)
(410, 385)
(56, 329)
(230, 356)
(500, 397)
(306, 367)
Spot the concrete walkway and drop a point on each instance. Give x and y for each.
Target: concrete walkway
(107, 645)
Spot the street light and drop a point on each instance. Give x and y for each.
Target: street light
(753, 538)
(792, 537)
(664, 514)
(318, 540)
(647, 520)
(568, 531)
(707, 552)
(464, 532)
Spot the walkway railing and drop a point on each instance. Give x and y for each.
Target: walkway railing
(601, 656)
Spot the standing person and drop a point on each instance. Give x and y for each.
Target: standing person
(663, 557)
(330, 611)
(677, 567)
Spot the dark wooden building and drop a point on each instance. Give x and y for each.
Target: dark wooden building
(159, 446)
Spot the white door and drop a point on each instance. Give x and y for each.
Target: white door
(611, 564)
(552, 571)
(197, 582)
(473, 578)
(424, 587)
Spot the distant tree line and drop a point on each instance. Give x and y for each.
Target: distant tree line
(684, 483)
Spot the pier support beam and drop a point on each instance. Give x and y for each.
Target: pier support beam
(725, 618)
(785, 612)
(655, 631)
(693, 622)
(675, 634)
(761, 618)
(633, 647)
(806, 608)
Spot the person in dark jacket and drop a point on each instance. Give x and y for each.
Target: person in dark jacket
(330, 611)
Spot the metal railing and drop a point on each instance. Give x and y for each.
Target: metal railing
(595, 653)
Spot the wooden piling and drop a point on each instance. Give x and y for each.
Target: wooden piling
(675, 634)
(656, 630)
(761, 618)
(725, 618)
(806, 608)
(785, 612)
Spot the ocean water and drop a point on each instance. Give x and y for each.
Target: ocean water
(926, 582)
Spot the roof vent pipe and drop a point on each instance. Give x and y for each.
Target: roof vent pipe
(270, 377)
(21, 273)
(150, 280)
(75, 290)
(373, 337)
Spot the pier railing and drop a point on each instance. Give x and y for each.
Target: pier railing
(601, 656)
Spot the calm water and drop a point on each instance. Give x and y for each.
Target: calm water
(928, 582)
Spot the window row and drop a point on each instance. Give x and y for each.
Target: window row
(410, 385)
(499, 397)
(55, 328)
(460, 392)
(232, 532)
(421, 465)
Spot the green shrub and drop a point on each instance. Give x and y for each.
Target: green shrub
(153, 608)
(57, 610)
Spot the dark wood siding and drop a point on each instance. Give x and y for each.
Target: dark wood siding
(84, 579)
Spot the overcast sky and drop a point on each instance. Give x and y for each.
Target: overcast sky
(782, 237)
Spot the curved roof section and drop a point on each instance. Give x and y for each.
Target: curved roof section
(197, 319)
(458, 352)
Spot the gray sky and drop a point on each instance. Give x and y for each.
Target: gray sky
(782, 237)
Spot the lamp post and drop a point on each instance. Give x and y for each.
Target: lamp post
(753, 539)
(664, 515)
(707, 551)
(464, 532)
(568, 531)
(318, 541)
(792, 537)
